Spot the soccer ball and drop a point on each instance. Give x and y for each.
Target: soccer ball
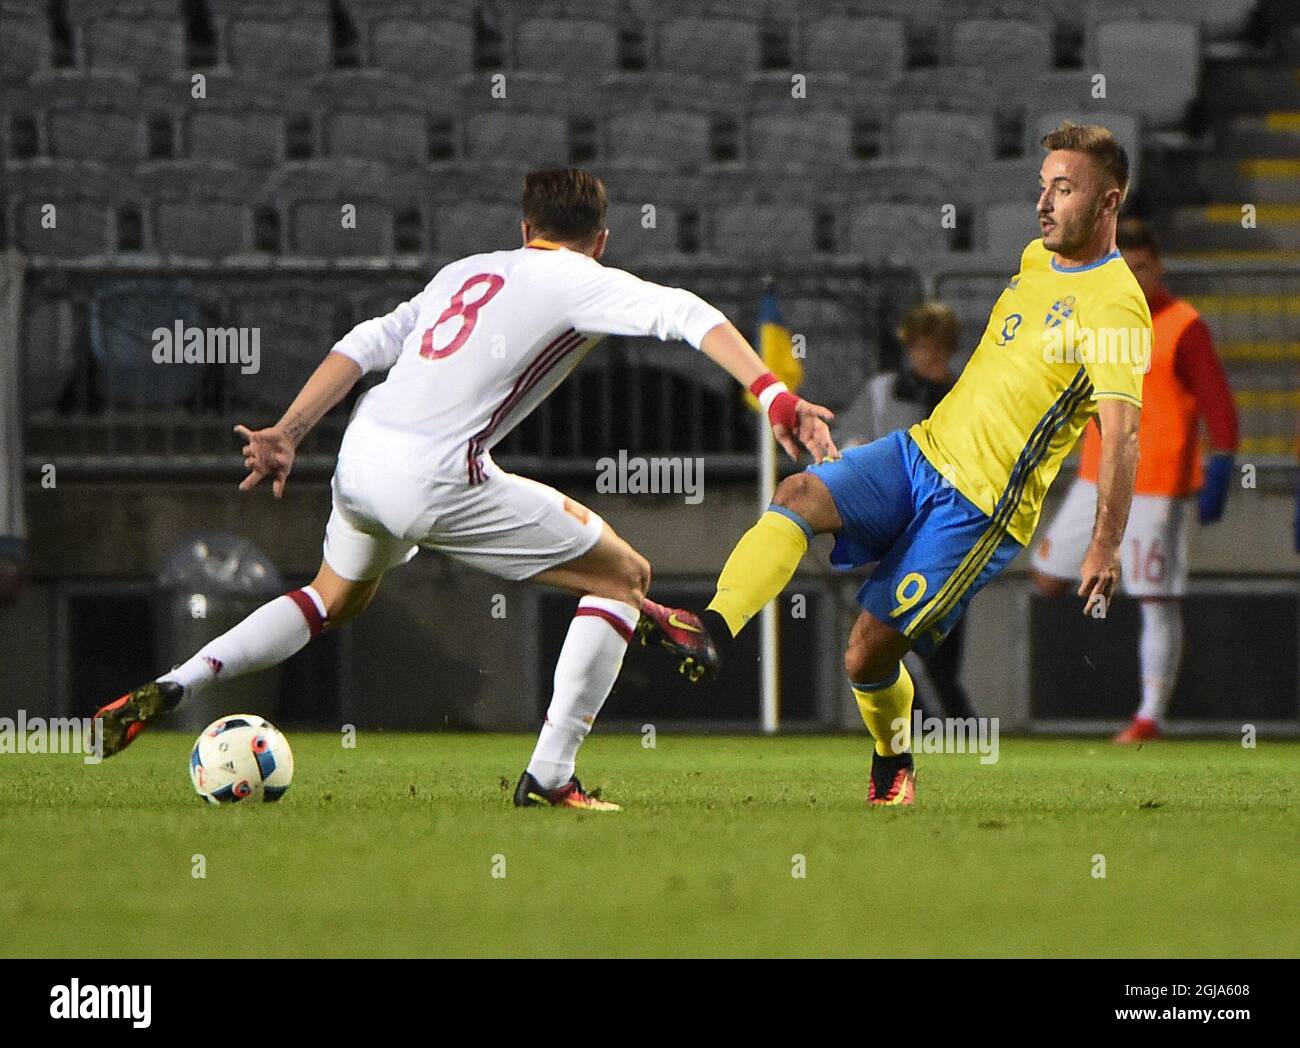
(238, 757)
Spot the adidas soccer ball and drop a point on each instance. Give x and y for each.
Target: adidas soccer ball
(238, 757)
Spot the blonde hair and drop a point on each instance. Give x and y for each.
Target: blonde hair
(932, 320)
(1094, 141)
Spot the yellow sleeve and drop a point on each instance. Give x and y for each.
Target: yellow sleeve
(1121, 352)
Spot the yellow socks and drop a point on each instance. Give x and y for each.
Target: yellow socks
(884, 705)
(763, 561)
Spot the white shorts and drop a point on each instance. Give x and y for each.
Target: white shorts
(1153, 558)
(508, 525)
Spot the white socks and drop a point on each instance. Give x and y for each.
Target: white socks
(1160, 650)
(584, 674)
(268, 636)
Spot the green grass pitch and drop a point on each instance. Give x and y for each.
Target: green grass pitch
(389, 849)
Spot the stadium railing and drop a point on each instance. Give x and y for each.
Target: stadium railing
(98, 405)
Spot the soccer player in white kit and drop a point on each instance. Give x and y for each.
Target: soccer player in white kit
(468, 358)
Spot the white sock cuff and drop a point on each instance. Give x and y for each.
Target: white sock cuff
(622, 611)
(316, 599)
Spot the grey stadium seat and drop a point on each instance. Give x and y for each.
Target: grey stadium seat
(469, 227)
(145, 45)
(25, 42)
(250, 138)
(1010, 51)
(896, 232)
(709, 47)
(630, 242)
(316, 229)
(421, 49)
(659, 139)
(786, 140)
(95, 134)
(1150, 67)
(201, 228)
(289, 47)
(760, 232)
(517, 139)
(81, 227)
(567, 46)
(871, 48)
(387, 136)
(1007, 227)
(942, 137)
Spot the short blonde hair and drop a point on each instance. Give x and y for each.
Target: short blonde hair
(1094, 141)
(932, 320)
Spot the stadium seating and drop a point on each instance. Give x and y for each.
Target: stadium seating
(195, 228)
(281, 47)
(148, 45)
(686, 106)
(1008, 227)
(459, 230)
(1010, 52)
(761, 232)
(516, 139)
(25, 42)
(632, 242)
(1151, 67)
(935, 137)
(101, 134)
(703, 46)
(566, 47)
(419, 48)
(789, 140)
(873, 48)
(391, 137)
(898, 232)
(658, 139)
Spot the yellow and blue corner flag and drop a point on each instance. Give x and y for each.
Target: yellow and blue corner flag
(776, 345)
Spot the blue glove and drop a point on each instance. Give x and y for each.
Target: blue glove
(1214, 491)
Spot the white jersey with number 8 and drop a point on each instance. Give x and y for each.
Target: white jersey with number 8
(485, 342)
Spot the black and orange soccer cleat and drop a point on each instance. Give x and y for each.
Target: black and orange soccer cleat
(530, 794)
(126, 717)
(893, 780)
(685, 635)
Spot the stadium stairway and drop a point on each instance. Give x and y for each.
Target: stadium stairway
(1245, 150)
(1248, 152)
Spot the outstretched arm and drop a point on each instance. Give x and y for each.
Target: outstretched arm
(1116, 474)
(614, 302)
(791, 416)
(270, 452)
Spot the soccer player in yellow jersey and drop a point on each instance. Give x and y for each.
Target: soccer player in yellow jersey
(943, 506)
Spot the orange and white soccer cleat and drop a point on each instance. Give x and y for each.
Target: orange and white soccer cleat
(1143, 729)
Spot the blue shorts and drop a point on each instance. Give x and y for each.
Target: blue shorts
(934, 547)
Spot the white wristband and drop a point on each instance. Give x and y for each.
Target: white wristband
(770, 394)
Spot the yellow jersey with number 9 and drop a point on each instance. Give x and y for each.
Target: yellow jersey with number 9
(1059, 339)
